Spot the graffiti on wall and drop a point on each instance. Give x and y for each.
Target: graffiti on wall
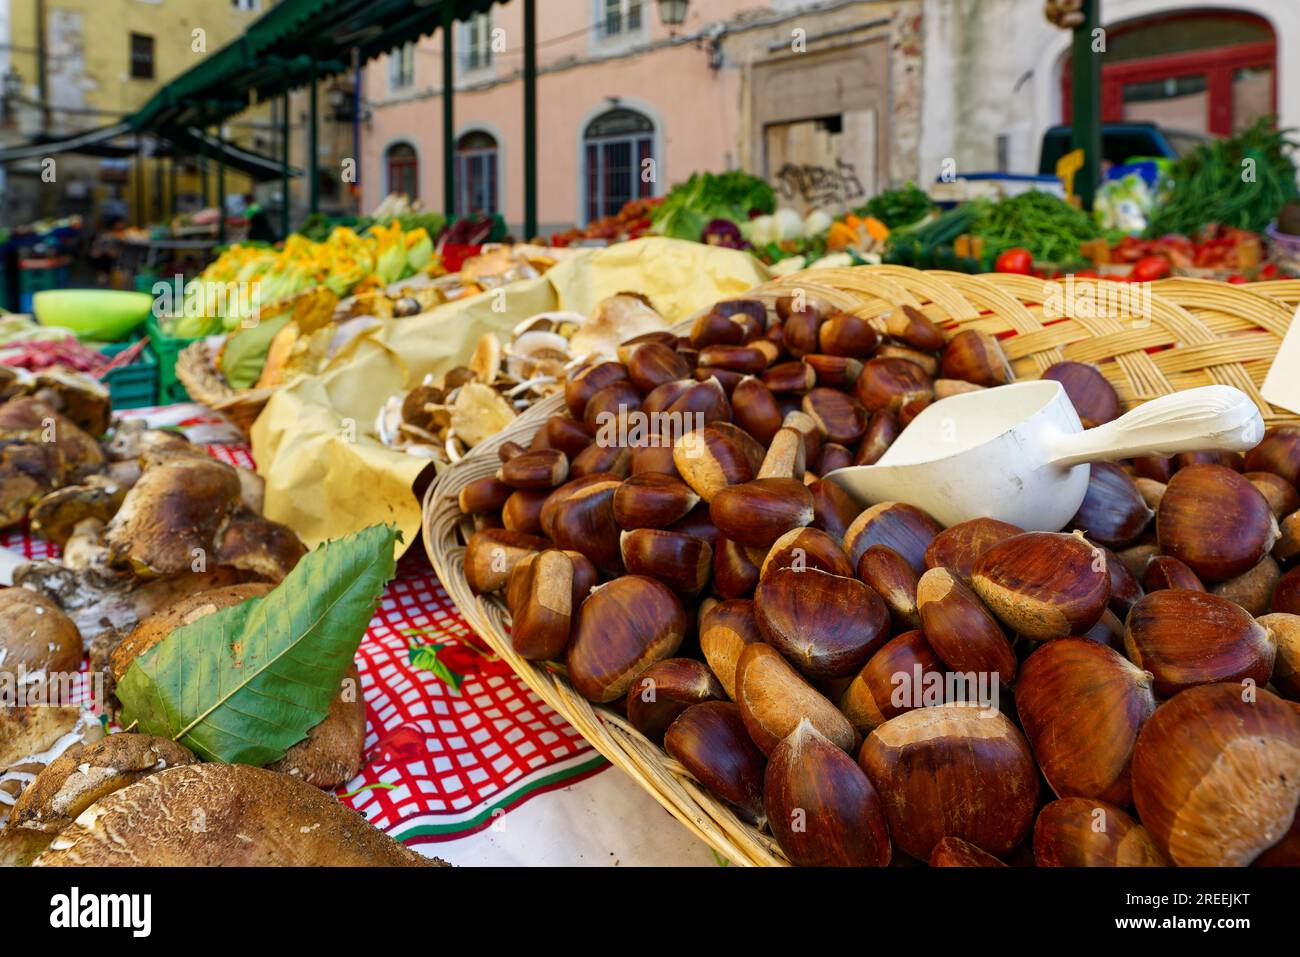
(819, 186)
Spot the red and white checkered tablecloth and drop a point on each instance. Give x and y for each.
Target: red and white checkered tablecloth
(454, 739)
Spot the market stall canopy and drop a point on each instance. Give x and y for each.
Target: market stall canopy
(121, 141)
(290, 46)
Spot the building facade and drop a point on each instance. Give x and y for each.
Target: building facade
(830, 100)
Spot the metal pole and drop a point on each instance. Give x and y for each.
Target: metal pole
(203, 169)
(173, 173)
(158, 198)
(530, 120)
(448, 112)
(140, 212)
(221, 184)
(313, 148)
(284, 163)
(1085, 66)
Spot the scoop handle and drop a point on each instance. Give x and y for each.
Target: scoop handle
(1211, 418)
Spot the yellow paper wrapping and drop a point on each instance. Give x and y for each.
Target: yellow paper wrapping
(327, 475)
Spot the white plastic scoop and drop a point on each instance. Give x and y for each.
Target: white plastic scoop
(1018, 452)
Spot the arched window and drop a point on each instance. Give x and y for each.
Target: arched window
(476, 174)
(616, 146)
(403, 169)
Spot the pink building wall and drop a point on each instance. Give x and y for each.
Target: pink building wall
(696, 109)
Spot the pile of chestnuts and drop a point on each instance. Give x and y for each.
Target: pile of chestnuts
(873, 688)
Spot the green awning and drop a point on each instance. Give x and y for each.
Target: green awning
(286, 47)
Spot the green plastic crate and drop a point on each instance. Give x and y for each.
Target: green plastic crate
(134, 386)
(166, 349)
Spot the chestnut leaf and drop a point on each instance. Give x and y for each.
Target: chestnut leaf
(246, 683)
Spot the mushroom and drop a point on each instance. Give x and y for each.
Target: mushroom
(40, 647)
(28, 420)
(57, 515)
(257, 545)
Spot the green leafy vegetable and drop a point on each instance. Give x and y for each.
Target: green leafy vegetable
(1242, 181)
(689, 206)
(246, 683)
(899, 207)
(1049, 227)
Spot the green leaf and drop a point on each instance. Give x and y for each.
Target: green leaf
(245, 684)
(425, 658)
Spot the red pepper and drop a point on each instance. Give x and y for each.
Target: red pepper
(1149, 269)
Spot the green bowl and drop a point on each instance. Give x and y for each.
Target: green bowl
(103, 314)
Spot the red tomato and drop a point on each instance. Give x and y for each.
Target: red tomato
(1087, 274)
(1149, 269)
(1015, 260)
(1237, 279)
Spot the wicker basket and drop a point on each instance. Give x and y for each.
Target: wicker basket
(1195, 332)
(196, 368)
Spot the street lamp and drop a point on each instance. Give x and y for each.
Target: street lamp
(672, 13)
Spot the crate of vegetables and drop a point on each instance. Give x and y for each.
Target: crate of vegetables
(720, 620)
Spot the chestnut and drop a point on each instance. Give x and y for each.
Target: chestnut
(839, 418)
(509, 450)
(710, 741)
(713, 328)
(1151, 491)
(598, 458)
(726, 378)
(1092, 396)
(725, 629)
(786, 456)
(890, 383)
(662, 336)
(1285, 629)
(805, 425)
(747, 360)
(834, 372)
(826, 625)
(975, 356)
(1287, 546)
(953, 771)
(747, 311)
(1124, 588)
(954, 852)
(1278, 452)
(652, 459)
(804, 548)
(882, 429)
(715, 456)
(844, 334)
(889, 575)
(1216, 774)
(581, 386)
(608, 411)
(523, 510)
(773, 698)
(757, 513)
(820, 806)
(790, 377)
(962, 632)
(579, 516)
(1108, 631)
(652, 500)
(754, 409)
(734, 573)
(943, 388)
(484, 495)
(1252, 590)
(911, 409)
(568, 435)
(880, 690)
(1081, 706)
(1280, 494)
(661, 397)
(541, 606)
(1157, 468)
(958, 548)
(623, 626)
(1162, 572)
(830, 458)
(833, 509)
(544, 468)
(682, 562)
(651, 364)
(1216, 522)
(800, 332)
(904, 528)
(1043, 584)
(1113, 512)
(1136, 558)
(912, 326)
(490, 554)
(1187, 638)
(1086, 832)
(666, 689)
(927, 361)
